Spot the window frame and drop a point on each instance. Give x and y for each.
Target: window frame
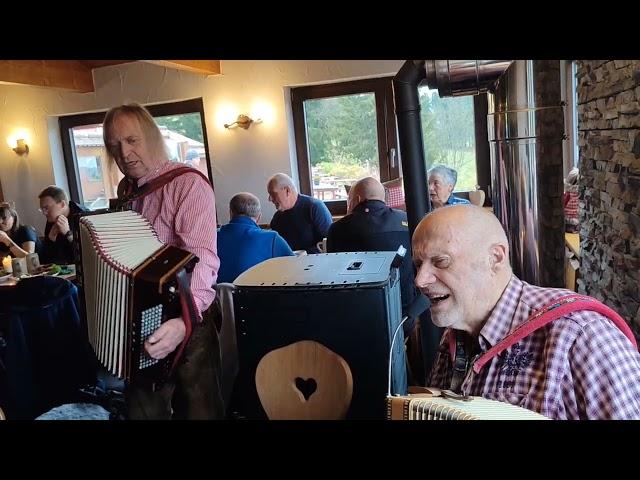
(382, 88)
(483, 154)
(68, 122)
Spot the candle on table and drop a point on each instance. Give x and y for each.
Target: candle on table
(6, 264)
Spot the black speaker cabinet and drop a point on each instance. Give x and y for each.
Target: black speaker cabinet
(348, 302)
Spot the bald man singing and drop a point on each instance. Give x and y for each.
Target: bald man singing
(370, 225)
(579, 366)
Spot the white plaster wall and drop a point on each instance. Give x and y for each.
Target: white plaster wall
(242, 160)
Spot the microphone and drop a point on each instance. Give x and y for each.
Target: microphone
(419, 305)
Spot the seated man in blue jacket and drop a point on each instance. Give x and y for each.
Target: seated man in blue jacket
(242, 243)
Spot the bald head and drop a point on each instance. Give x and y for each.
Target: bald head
(367, 188)
(462, 258)
(468, 223)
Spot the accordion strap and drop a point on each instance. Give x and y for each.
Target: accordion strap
(131, 191)
(553, 310)
(189, 315)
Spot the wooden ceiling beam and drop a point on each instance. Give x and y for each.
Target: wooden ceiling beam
(76, 75)
(64, 74)
(93, 64)
(206, 67)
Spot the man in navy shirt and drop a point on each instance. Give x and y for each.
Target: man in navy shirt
(242, 243)
(302, 221)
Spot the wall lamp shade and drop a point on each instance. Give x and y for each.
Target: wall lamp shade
(243, 121)
(21, 148)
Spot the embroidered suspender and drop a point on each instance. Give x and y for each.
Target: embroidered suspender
(548, 313)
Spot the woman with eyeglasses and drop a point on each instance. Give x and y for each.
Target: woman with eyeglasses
(15, 239)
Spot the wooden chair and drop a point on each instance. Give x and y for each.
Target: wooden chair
(227, 338)
(304, 381)
(476, 197)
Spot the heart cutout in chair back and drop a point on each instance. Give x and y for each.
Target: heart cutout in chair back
(307, 387)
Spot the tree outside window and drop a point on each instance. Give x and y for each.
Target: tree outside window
(448, 131)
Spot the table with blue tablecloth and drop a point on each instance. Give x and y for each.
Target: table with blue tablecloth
(46, 357)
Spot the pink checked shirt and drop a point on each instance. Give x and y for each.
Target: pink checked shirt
(580, 366)
(183, 213)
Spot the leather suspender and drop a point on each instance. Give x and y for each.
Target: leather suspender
(548, 313)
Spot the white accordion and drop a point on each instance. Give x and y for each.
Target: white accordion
(131, 284)
(437, 405)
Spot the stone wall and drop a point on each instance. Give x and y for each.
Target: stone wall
(609, 146)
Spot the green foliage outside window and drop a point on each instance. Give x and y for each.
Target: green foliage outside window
(343, 143)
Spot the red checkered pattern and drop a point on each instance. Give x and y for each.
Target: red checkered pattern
(571, 207)
(581, 366)
(395, 196)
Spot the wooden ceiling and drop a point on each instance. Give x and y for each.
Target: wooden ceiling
(77, 75)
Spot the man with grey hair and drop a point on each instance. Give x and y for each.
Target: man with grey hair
(442, 180)
(303, 221)
(242, 243)
(179, 203)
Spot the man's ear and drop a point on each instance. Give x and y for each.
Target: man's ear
(499, 256)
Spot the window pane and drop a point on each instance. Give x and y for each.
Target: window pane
(185, 140)
(99, 178)
(342, 140)
(448, 132)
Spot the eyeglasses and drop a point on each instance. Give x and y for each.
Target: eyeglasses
(45, 210)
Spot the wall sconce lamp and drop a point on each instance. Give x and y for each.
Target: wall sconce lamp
(21, 148)
(243, 121)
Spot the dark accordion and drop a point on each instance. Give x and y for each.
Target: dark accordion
(131, 284)
(438, 405)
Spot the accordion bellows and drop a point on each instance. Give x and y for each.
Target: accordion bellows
(427, 407)
(129, 281)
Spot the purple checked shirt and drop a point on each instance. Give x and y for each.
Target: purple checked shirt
(580, 366)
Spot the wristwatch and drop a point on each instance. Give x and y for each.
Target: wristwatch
(68, 234)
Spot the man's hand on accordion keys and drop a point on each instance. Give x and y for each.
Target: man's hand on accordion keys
(165, 339)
